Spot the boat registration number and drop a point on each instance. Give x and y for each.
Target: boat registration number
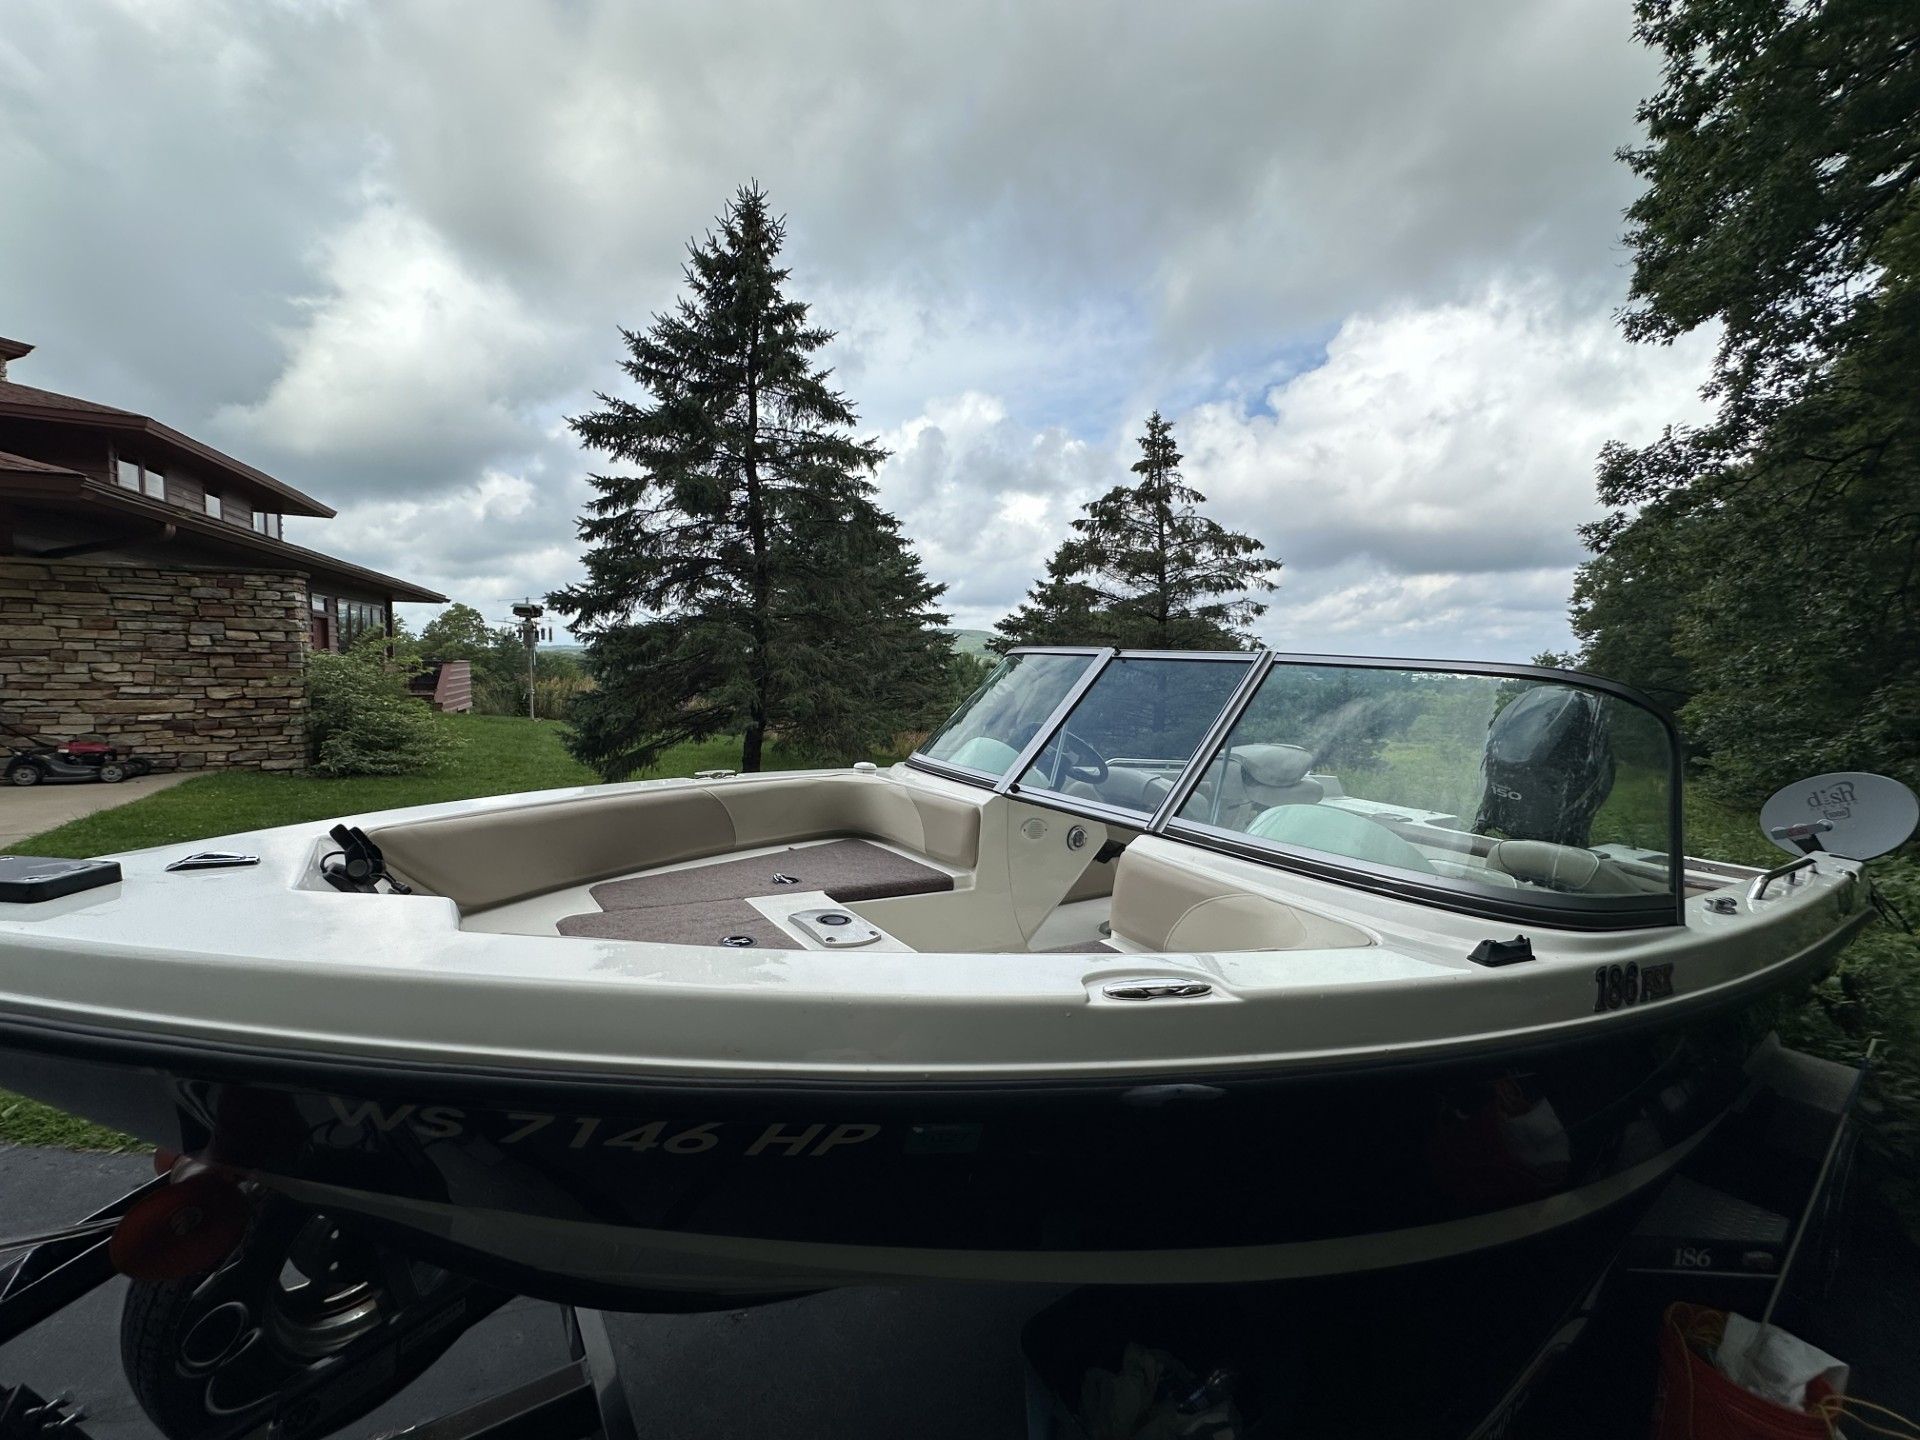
(515, 1128)
(1617, 986)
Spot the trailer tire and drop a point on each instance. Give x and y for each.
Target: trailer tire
(200, 1352)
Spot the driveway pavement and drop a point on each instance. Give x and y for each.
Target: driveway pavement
(29, 810)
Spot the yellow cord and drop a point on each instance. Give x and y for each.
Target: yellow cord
(1704, 1332)
(1836, 1408)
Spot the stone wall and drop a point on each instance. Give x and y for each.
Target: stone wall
(198, 668)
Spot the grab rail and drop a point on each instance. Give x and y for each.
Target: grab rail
(1758, 890)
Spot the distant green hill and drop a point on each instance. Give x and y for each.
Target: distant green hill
(971, 642)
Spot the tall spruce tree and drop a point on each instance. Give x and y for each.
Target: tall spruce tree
(740, 577)
(1145, 568)
(1059, 610)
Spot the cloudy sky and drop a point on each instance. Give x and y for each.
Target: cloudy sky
(1366, 256)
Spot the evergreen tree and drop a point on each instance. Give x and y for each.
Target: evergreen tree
(1059, 610)
(741, 578)
(1145, 568)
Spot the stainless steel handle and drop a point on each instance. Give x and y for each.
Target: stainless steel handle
(214, 860)
(1758, 890)
(1157, 990)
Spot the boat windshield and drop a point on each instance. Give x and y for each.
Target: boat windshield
(1126, 741)
(1500, 783)
(1508, 790)
(988, 732)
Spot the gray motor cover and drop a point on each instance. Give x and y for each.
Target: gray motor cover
(1547, 768)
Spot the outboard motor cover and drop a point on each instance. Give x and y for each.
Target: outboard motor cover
(1548, 767)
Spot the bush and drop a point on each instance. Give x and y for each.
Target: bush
(361, 720)
(559, 679)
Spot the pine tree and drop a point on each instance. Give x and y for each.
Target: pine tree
(1059, 610)
(743, 580)
(1145, 568)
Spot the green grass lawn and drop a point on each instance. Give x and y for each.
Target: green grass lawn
(501, 754)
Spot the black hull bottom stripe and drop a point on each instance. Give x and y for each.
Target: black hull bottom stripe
(664, 1260)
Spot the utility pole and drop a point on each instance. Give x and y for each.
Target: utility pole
(529, 615)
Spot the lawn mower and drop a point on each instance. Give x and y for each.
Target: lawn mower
(35, 762)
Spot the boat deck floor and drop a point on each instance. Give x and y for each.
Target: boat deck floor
(700, 906)
(745, 896)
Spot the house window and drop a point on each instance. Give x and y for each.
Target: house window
(213, 505)
(359, 616)
(132, 475)
(266, 524)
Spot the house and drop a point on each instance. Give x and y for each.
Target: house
(147, 592)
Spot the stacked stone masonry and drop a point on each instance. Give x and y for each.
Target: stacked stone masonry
(196, 668)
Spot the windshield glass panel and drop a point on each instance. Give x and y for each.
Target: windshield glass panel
(1135, 730)
(1500, 783)
(997, 721)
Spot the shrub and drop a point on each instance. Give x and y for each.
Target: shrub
(361, 721)
(559, 679)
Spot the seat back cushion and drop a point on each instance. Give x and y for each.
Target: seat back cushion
(494, 856)
(1333, 831)
(1169, 907)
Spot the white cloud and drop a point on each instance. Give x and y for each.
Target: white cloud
(985, 499)
(408, 358)
(1445, 454)
(489, 543)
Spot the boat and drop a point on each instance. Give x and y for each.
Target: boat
(1145, 967)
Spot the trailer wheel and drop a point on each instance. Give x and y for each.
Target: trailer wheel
(202, 1352)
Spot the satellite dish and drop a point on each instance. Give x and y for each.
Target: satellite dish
(1848, 813)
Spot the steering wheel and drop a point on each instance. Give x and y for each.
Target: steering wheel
(1079, 761)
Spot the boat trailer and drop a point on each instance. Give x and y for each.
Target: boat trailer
(580, 1400)
(1742, 1217)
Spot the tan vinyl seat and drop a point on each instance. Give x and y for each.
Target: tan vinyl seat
(491, 857)
(1167, 906)
(1567, 868)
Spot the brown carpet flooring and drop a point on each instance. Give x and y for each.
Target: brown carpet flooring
(703, 904)
(848, 870)
(705, 922)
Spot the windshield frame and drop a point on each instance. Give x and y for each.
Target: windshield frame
(1566, 912)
